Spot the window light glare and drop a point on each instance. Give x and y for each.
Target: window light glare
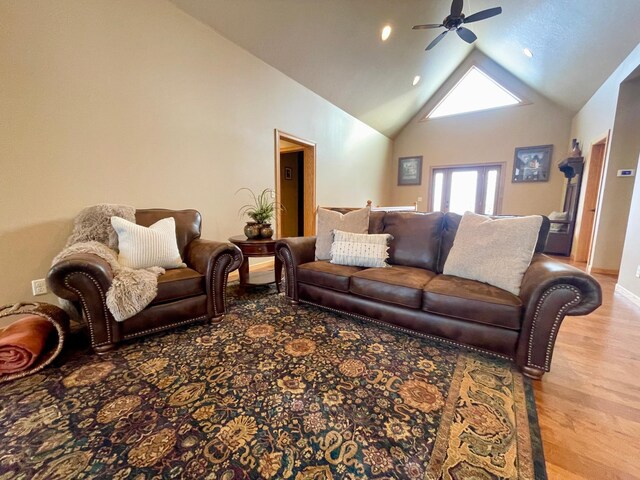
(386, 31)
(528, 53)
(416, 79)
(474, 92)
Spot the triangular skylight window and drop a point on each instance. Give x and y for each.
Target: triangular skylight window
(474, 92)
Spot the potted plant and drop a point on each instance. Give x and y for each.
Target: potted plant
(260, 211)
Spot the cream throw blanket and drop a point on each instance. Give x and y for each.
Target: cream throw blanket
(131, 290)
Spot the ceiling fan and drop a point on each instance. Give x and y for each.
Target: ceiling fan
(455, 22)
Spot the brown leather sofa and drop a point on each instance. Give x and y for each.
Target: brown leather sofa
(415, 296)
(185, 295)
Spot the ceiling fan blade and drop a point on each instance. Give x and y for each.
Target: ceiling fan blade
(436, 40)
(428, 25)
(466, 34)
(488, 13)
(456, 8)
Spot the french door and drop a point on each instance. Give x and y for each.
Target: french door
(470, 188)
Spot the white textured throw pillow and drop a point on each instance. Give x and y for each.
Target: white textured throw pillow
(329, 220)
(494, 251)
(144, 247)
(360, 250)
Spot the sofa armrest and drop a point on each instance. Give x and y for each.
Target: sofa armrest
(214, 260)
(292, 252)
(85, 279)
(550, 291)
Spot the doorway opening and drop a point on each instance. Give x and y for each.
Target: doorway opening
(295, 162)
(584, 245)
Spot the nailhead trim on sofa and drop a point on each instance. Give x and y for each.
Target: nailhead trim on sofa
(85, 307)
(406, 330)
(554, 328)
(164, 327)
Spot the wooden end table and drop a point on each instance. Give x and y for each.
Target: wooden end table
(258, 247)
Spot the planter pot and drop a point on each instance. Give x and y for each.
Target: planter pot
(266, 231)
(252, 230)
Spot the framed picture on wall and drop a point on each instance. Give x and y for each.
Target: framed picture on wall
(410, 170)
(531, 164)
(288, 174)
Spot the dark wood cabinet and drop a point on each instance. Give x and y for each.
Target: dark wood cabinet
(561, 232)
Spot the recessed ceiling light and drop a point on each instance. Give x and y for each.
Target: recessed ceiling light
(528, 52)
(386, 31)
(416, 79)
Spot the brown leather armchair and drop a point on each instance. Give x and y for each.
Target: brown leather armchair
(184, 296)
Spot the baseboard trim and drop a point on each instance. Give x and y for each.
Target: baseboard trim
(605, 271)
(628, 294)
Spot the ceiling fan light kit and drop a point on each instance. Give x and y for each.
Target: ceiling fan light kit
(455, 21)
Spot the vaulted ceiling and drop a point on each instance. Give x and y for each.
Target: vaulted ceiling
(333, 47)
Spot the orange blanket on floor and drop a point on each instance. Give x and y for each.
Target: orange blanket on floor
(22, 342)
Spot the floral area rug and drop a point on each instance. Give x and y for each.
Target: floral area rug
(274, 391)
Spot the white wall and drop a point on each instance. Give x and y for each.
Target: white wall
(631, 253)
(135, 102)
(592, 123)
(486, 137)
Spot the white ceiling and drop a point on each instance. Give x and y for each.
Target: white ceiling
(333, 47)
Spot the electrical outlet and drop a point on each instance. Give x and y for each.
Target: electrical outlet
(638, 271)
(419, 199)
(39, 287)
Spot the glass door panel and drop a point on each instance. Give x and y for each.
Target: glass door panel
(469, 188)
(491, 192)
(463, 192)
(438, 183)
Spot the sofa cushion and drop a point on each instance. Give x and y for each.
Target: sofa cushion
(188, 223)
(399, 285)
(450, 227)
(376, 221)
(324, 274)
(179, 283)
(450, 224)
(471, 300)
(495, 251)
(416, 238)
(356, 221)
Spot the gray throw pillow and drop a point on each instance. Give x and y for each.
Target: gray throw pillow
(329, 220)
(494, 251)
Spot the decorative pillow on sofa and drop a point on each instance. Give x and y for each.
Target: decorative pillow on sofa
(493, 251)
(144, 247)
(360, 250)
(328, 221)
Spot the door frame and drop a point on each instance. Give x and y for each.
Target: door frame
(501, 180)
(592, 196)
(309, 175)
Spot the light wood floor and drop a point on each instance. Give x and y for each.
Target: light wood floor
(589, 404)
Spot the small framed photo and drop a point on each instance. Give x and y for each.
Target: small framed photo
(288, 174)
(410, 170)
(531, 164)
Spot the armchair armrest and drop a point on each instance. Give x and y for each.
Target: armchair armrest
(85, 279)
(292, 252)
(214, 260)
(550, 291)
